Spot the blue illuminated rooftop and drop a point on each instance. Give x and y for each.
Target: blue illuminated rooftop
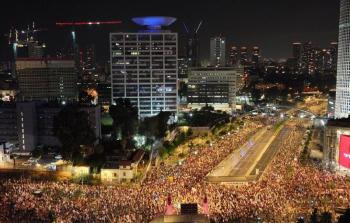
(154, 22)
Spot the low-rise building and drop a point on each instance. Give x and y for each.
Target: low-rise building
(5, 157)
(213, 86)
(31, 123)
(8, 123)
(337, 146)
(121, 170)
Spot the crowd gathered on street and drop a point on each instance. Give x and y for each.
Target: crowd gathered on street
(286, 190)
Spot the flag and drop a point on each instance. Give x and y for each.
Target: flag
(169, 210)
(205, 206)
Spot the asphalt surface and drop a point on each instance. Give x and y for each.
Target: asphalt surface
(230, 163)
(241, 165)
(249, 155)
(271, 151)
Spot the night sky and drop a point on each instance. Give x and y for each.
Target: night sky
(270, 24)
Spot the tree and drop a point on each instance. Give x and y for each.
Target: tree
(326, 217)
(207, 108)
(300, 220)
(84, 97)
(155, 127)
(163, 118)
(51, 216)
(256, 94)
(345, 218)
(314, 216)
(125, 121)
(71, 126)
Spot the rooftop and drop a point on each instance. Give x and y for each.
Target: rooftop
(344, 122)
(214, 69)
(42, 59)
(154, 22)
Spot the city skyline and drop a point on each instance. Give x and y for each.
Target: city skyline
(175, 111)
(271, 26)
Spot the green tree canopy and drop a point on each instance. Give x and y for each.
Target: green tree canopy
(71, 126)
(156, 126)
(125, 121)
(345, 218)
(326, 217)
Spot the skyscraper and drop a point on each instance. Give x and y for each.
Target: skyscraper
(234, 56)
(307, 57)
(333, 56)
(244, 55)
(255, 56)
(297, 49)
(218, 51)
(192, 45)
(144, 66)
(192, 50)
(342, 101)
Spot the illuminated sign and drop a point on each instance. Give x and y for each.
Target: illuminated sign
(344, 151)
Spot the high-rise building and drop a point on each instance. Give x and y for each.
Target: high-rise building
(218, 51)
(244, 55)
(184, 66)
(333, 51)
(321, 60)
(144, 66)
(192, 50)
(307, 63)
(88, 58)
(46, 79)
(255, 56)
(91, 74)
(234, 56)
(297, 52)
(336, 147)
(342, 106)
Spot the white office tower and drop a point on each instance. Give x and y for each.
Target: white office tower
(218, 51)
(342, 106)
(144, 66)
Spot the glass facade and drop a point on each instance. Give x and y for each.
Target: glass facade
(211, 86)
(144, 70)
(342, 107)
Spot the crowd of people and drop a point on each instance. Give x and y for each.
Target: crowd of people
(286, 190)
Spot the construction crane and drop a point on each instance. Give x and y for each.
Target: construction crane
(23, 37)
(73, 25)
(192, 45)
(112, 22)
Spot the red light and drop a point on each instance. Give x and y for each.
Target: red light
(88, 23)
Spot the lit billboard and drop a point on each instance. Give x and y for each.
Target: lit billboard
(344, 151)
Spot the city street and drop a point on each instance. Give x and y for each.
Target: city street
(251, 159)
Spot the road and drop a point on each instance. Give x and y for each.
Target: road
(227, 165)
(252, 154)
(257, 153)
(270, 152)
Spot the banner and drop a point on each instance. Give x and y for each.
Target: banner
(344, 151)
